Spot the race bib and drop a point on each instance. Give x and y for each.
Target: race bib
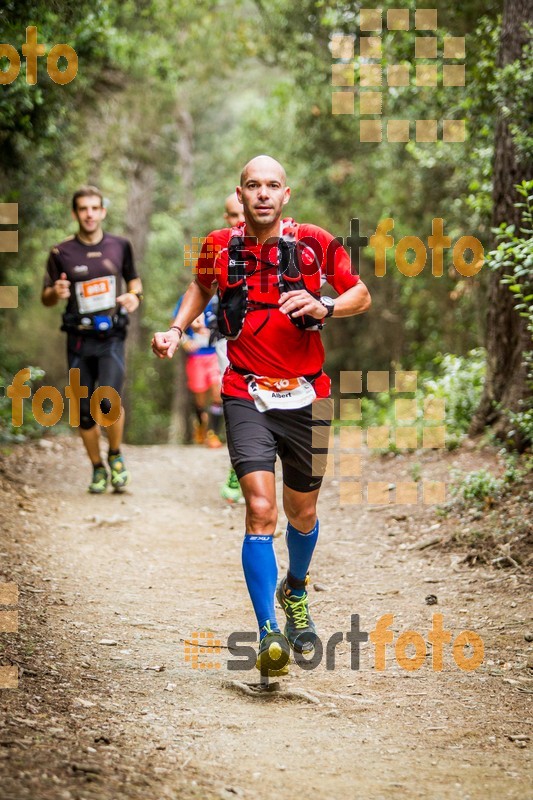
(285, 393)
(96, 295)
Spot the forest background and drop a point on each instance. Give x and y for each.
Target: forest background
(172, 98)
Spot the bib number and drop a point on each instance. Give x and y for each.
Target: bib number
(98, 294)
(284, 393)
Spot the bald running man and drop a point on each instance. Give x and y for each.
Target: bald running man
(269, 272)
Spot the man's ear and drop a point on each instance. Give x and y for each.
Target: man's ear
(238, 192)
(286, 196)
(104, 212)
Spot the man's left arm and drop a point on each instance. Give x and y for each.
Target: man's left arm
(131, 299)
(355, 300)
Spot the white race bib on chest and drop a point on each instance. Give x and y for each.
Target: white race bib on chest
(99, 294)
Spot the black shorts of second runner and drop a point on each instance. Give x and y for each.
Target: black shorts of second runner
(255, 438)
(101, 363)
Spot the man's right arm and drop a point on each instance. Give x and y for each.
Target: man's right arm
(194, 302)
(52, 294)
(57, 287)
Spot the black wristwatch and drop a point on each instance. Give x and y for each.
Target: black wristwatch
(329, 305)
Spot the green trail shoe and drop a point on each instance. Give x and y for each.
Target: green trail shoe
(120, 477)
(98, 485)
(300, 629)
(274, 653)
(231, 490)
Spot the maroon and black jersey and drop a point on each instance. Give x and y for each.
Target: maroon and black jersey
(96, 272)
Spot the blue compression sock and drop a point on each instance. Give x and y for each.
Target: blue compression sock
(261, 573)
(301, 547)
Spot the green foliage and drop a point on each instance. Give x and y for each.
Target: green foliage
(479, 488)
(459, 383)
(30, 429)
(513, 259)
(482, 489)
(457, 380)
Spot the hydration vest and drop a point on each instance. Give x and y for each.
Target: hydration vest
(234, 301)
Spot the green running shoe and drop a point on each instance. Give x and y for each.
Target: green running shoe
(274, 653)
(231, 490)
(120, 477)
(300, 629)
(98, 485)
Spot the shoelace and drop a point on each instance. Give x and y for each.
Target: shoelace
(268, 628)
(299, 611)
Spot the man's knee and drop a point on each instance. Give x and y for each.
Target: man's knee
(261, 509)
(301, 513)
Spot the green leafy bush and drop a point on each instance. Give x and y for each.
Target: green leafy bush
(479, 488)
(458, 382)
(514, 255)
(30, 427)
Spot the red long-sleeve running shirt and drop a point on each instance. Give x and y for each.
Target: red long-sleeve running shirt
(269, 343)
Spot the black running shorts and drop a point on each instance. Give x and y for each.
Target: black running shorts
(299, 436)
(101, 363)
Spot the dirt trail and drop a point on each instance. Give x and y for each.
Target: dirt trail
(146, 570)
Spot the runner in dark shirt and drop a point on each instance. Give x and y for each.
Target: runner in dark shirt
(89, 271)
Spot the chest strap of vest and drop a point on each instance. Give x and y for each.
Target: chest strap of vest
(235, 302)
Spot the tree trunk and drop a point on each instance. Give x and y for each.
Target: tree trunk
(506, 334)
(180, 429)
(138, 212)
